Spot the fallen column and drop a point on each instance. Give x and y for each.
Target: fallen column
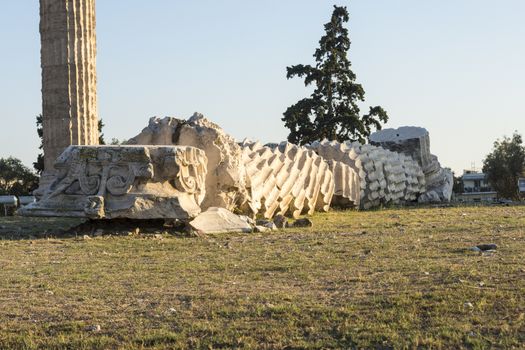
(373, 175)
(415, 143)
(286, 179)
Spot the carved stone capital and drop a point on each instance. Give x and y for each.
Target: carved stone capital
(136, 182)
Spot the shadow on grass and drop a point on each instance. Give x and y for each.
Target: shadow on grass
(26, 228)
(31, 228)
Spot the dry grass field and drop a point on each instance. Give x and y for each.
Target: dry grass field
(386, 279)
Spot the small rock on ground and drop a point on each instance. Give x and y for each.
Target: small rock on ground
(261, 229)
(280, 221)
(94, 328)
(98, 233)
(267, 223)
(247, 219)
(305, 222)
(485, 247)
(220, 220)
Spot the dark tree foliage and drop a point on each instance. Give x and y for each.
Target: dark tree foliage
(39, 164)
(457, 186)
(15, 178)
(101, 126)
(332, 111)
(504, 166)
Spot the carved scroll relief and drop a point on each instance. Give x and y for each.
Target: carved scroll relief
(142, 182)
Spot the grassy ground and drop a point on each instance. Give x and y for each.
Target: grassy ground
(389, 279)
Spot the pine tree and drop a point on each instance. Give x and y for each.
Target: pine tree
(332, 111)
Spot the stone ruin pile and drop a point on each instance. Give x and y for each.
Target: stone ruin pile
(175, 169)
(248, 177)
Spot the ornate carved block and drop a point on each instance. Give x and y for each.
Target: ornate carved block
(135, 182)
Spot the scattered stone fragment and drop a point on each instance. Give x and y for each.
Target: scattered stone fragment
(271, 226)
(305, 222)
(220, 220)
(86, 237)
(248, 219)
(469, 305)
(94, 328)
(267, 224)
(262, 222)
(486, 247)
(280, 221)
(261, 229)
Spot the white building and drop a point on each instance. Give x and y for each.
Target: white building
(475, 188)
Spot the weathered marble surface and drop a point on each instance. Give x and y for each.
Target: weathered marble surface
(410, 140)
(415, 142)
(250, 178)
(286, 179)
(135, 182)
(367, 176)
(220, 220)
(226, 177)
(69, 78)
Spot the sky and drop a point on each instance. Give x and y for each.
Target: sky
(455, 67)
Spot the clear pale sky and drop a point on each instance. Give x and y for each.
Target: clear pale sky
(455, 67)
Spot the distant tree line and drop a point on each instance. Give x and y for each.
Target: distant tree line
(15, 178)
(505, 165)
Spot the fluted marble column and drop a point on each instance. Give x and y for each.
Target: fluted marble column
(69, 79)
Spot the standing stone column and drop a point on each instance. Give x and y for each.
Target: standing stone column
(69, 80)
